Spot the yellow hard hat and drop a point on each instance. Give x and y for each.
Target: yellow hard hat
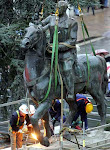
(89, 107)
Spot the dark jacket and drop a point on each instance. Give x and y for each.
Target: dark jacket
(55, 110)
(81, 102)
(14, 119)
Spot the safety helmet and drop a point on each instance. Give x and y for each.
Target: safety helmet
(32, 109)
(89, 107)
(24, 109)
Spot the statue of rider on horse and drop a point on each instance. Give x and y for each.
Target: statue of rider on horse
(73, 68)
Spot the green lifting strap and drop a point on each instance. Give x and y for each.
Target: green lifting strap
(84, 29)
(56, 57)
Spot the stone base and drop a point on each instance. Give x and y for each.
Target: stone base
(93, 140)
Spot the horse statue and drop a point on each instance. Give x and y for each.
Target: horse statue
(37, 74)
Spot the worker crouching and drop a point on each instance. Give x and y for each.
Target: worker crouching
(55, 112)
(16, 124)
(84, 107)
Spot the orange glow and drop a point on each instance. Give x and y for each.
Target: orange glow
(44, 132)
(34, 136)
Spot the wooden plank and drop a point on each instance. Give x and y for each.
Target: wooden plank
(4, 122)
(4, 132)
(14, 102)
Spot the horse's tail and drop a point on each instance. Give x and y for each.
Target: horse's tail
(105, 78)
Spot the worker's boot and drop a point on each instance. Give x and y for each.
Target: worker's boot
(44, 141)
(78, 127)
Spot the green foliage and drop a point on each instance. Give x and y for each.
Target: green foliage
(10, 56)
(17, 87)
(7, 34)
(10, 42)
(6, 11)
(49, 7)
(18, 64)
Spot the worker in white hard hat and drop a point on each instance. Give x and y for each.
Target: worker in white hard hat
(16, 124)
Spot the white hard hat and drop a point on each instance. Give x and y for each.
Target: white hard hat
(32, 109)
(24, 109)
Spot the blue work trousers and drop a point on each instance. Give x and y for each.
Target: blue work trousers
(83, 118)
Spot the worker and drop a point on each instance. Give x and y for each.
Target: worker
(16, 124)
(84, 107)
(55, 112)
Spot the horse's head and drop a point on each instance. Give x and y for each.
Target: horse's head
(33, 37)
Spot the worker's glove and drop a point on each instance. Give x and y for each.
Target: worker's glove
(25, 129)
(73, 124)
(53, 119)
(89, 100)
(20, 131)
(13, 132)
(30, 128)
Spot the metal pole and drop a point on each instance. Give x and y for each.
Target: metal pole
(61, 120)
(83, 135)
(61, 125)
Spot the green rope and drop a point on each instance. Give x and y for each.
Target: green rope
(84, 28)
(88, 37)
(56, 58)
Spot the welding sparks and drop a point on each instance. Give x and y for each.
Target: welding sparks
(34, 136)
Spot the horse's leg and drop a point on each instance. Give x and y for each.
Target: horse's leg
(99, 98)
(72, 111)
(40, 111)
(46, 125)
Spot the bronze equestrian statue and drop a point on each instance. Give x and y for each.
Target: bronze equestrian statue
(73, 68)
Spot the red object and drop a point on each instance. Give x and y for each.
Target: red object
(78, 127)
(101, 52)
(27, 74)
(108, 67)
